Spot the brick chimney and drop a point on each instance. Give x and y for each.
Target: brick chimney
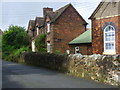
(46, 9)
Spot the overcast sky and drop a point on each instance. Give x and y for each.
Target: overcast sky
(18, 12)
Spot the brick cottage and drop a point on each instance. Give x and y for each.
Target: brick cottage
(61, 27)
(35, 28)
(31, 28)
(106, 28)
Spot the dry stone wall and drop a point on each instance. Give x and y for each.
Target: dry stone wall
(101, 68)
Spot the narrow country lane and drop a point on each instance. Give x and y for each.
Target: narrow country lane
(22, 76)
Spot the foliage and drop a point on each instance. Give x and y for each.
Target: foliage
(14, 41)
(40, 43)
(57, 52)
(14, 56)
(19, 51)
(15, 36)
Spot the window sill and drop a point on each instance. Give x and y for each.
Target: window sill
(109, 53)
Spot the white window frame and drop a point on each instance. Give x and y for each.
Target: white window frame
(111, 41)
(48, 47)
(77, 49)
(68, 51)
(33, 46)
(37, 31)
(48, 27)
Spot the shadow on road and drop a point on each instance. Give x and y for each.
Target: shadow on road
(19, 69)
(11, 72)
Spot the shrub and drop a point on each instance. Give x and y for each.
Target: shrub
(19, 51)
(40, 43)
(15, 54)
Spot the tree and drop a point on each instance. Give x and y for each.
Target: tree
(13, 39)
(15, 36)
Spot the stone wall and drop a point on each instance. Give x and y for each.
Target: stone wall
(100, 68)
(52, 61)
(97, 67)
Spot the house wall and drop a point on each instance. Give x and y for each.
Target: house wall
(84, 49)
(67, 27)
(97, 34)
(30, 35)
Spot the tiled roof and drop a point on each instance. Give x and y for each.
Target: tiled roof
(39, 21)
(54, 15)
(105, 9)
(85, 37)
(32, 24)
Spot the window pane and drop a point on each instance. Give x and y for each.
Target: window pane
(109, 29)
(110, 36)
(109, 46)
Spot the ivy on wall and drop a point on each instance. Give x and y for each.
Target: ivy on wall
(40, 43)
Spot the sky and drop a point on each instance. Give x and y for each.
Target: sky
(19, 12)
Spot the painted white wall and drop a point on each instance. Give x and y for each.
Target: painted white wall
(33, 46)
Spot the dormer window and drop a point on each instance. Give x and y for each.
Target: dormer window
(37, 31)
(48, 27)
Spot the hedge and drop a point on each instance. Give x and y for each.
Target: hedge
(49, 60)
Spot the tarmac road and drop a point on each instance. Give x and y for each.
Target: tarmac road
(22, 76)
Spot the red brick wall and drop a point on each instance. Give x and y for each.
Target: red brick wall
(67, 27)
(30, 35)
(97, 34)
(84, 49)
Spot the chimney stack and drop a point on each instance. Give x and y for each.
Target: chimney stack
(46, 10)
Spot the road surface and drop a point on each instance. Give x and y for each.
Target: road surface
(22, 76)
